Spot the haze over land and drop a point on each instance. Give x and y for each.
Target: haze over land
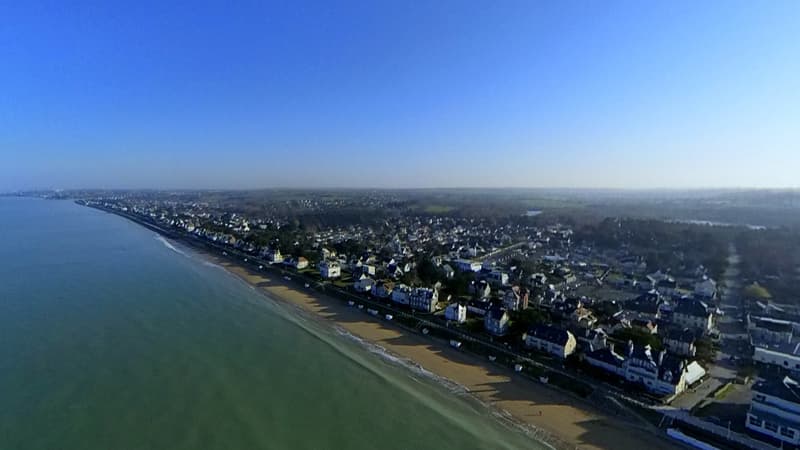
(516, 94)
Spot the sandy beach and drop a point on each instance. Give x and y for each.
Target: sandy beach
(565, 421)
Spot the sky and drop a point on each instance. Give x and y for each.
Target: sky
(583, 94)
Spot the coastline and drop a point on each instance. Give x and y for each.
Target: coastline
(550, 416)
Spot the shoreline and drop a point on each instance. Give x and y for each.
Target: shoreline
(550, 416)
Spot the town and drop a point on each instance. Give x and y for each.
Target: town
(675, 328)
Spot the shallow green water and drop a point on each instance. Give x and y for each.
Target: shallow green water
(109, 339)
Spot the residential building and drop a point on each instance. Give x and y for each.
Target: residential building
(516, 299)
(330, 269)
(775, 409)
(680, 341)
(769, 330)
(479, 289)
(401, 294)
(706, 289)
(549, 339)
(785, 355)
(300, 263)
(273, 256)
(364, 284)
(423, 299)
(466, 265)
(497, 277)
(383, 290)
(693, 313)
(496, 321)
(662, 373)
(456, 312)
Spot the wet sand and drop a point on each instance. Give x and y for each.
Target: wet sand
(561, 419)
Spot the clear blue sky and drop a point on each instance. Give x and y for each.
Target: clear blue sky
(400, 94)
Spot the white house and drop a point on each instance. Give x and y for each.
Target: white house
(552, 340)
(769, 330)
(423, 299)
(456, 312)
(660, 373)
(273, 256)
(786, 355)
(364, 284)
(693, 313)
(680, 341)
(775, 409)
(330, 269)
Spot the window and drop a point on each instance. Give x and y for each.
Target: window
(786, 363)
(771, 426)
(788, 432)
(754, 421)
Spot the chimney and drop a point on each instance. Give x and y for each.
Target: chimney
(630, 347)
(661, 356)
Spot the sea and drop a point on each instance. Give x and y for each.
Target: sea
(114, 338)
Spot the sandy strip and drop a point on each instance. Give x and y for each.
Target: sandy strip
(571, 422)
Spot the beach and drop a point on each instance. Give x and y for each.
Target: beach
(559, 418)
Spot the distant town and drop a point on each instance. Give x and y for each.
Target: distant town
(670, 319)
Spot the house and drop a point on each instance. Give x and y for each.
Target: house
(383, 290)
(589, 339)
(680, 341)
(706, 289)
(583, 317)
(364, 284)
(466, 265)
(538, 280)
(330, 269)
(769, 330)
(300, 263)
(423, 299)
(479, 289)
(785, 355)
(606, 359)
(496, 321)
(497, 277)
(456, 312)
(448, 271)
(775, 409)
(550, 339)
(328, 254)
(516, 299)
(668, 287)
(662, 373)
(692, 313)
(401, 294)
(479, 307)
(273, 256)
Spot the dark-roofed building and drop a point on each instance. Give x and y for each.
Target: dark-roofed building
(680, 341)
(769, 330)
(692, 313)
(496, 321)
(775, 409)
(550, 339)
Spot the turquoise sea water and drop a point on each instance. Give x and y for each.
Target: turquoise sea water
(110, 339)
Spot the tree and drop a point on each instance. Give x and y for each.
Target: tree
(639, 337)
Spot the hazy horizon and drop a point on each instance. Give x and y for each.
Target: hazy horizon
(451, 94)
